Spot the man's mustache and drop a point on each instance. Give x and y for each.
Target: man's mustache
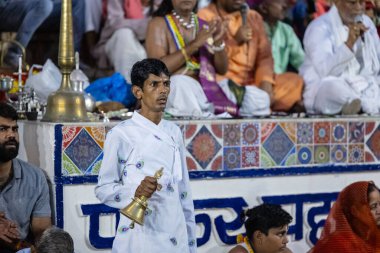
(11, 142)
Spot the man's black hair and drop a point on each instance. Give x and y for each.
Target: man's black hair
(7, 111)
(141, 70)
(265, 217)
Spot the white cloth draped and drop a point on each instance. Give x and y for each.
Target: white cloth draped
(187, 99)
(137, 148)
(330, 62)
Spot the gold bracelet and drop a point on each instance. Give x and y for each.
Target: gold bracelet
(183, 51)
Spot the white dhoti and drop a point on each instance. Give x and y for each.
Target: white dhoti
(334, 92)
(123, 50)
(188, 99)
(256, 102)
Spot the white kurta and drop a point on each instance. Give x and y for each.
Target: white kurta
(188, 99)
(335, 75)
(137, 148)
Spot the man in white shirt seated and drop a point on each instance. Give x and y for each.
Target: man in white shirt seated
(341, 67)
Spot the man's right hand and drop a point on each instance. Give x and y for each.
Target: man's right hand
(244, 34)
(147, 187)
(8, 229)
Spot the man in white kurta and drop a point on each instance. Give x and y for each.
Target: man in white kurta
(341, 67)
(134, 150)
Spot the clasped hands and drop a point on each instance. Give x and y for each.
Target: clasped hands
(8, 229)
(216, 29)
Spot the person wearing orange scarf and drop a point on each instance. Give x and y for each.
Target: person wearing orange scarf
(353, 224)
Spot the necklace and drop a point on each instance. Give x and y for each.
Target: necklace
(192, 63)
(182, 21)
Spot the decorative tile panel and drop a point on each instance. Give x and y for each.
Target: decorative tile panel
(243, 144)
(251, 134)
(339, 132)
(232, 135)
(83, 151)
(251, 157)
(305, 133)
(356, 132)
(232, 158)
(278, 145)
(203, 147)
(305, 155)
(322, 132)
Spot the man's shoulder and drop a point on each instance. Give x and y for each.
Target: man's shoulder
(171, 127)
(29, 172)
(25, 166)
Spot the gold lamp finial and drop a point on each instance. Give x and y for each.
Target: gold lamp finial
(66, 105)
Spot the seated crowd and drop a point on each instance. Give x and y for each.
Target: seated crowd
(228, 59)
(353, 224)
(222, 60)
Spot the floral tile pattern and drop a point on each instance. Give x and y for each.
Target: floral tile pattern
(339, 132)
(203, 147)
(355, 153)
(232, 135)
(356, 132)
(339, 154)
(321, 154)
(242, 144)
(305, 155)
(305, 133)
(250, 157)
(84, 150)
(322, 132)
(231, 158)
(251, 134)
(278, 145)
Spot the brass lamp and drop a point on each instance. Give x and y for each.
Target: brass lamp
(66, 105)
(136, 209)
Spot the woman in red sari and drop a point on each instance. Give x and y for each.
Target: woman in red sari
(353, 225)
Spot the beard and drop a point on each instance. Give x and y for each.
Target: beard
(8, 153)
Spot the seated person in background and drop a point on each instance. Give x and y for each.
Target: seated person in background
(341, 67)
(53, 240)
(286, 47)
(24, 17)
(193, 51)
(24, 193)
(266, 229)
(122, 34)
(250, 61)
(353, 224)
(321, 7)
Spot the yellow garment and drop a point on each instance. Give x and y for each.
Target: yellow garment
(252, 62)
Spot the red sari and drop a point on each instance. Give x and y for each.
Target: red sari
(347, 233)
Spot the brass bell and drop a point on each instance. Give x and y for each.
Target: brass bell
(66, 105)
(136, 209)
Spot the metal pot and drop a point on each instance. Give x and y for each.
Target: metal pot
(89, 100)
(6, 83)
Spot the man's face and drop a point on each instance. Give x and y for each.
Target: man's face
(155, 93)
(9, 139)
(374, 205)
(276, 9)
(275, 241)
(231, 5)
(349, 9)
(184, 6)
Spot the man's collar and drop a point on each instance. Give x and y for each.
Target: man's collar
(16, 168)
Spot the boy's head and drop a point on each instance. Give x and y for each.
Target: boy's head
(267, 226)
